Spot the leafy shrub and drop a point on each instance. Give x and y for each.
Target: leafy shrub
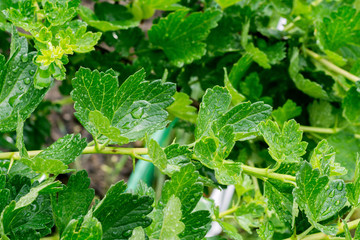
(230, 76)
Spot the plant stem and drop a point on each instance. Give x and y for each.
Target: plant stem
(303, 234)
(64, 101)
(323, 130)
(28, 36)
(350, 214)
(266, 173)
(318, 236)
(227, 212)
(329, 65)
(262, 173)
(87, 150)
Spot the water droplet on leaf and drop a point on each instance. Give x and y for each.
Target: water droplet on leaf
(340, 186)
(27, 81)
(332, 194)
(137, 112)
(24, 58)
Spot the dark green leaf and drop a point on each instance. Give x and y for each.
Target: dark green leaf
(73, 202)
(318, 197)
(119, 213)
(181, 36)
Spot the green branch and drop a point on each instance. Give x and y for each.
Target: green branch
(317, 236)
(267, 173)
(262, 173)
(324, 130)
(332, 67)
(87, 150)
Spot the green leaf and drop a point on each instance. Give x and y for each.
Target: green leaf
(353, 188)
(239, 69)
(136, 108)
(351, 105)
(182, 108)
(275, 53)
(247, 216)
(266, 231)
(226, 3)
(181, 37)
(23, 15)
(285, 145)
(228, 172)
(258, 56)
(308, 87)
(251, 87)
(119, 213)
(286, 112)
(321, 114)
(31, 222)
(318, 197)
(236, 97)
(212, 151)
(215, 102)
(164, 5)
(55, 158)
(357, 232)
(102, 126)
(339, 30)
(30, 212)
(77, 39)
(185, 186)
(46, 166)
(90, 228)
(230, 230)
(323, 158)
(171, 159)
(123, 20)
(244, 118)
(157, 154)
(65, 149)
(18, 96)
(138, 234)
(276, 195)
(73, 202)
(172, 226)
(197, 225)
(346, 147)
(60, 12)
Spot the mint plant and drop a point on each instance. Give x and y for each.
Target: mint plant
(259, 95)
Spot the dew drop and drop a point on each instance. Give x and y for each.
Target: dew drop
(337, 203)
(126, 125)
(332, 194)
(16, 69)
(27, 81)
(340, 186)
(137, 112)
(32, 72)
(327, 211)
(24, 58)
